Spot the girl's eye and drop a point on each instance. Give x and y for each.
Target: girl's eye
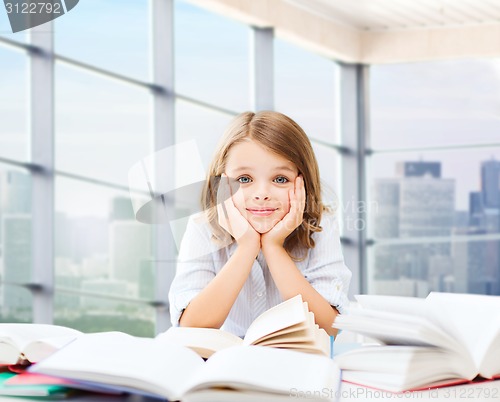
(281, 180)
(244, 179)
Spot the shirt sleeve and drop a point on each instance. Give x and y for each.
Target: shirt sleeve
(195, 268)
(326, 270)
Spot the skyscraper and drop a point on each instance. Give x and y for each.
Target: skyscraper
(485, 216)
(426, 206)
(386, 195)
(421, 204)
(490, 183)
(129, 243)
(15, 194)
(419, 169)
(15, 238)
(121, 209)
(476, 208)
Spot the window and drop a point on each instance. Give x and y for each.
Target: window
(305, 90)
(211, 58)
(434, 179)
(102, 126)
(15, 243)
(203, 125)
(434, 104)
(107, 34)
(14, 129)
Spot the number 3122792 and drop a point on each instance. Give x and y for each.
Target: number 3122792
(33, 8)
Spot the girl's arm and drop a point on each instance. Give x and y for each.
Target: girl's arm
(212, 305)
(290, 282)
(210, 308)
(287, 277)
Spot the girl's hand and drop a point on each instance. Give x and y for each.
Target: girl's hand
(231, 219)
(277, 235)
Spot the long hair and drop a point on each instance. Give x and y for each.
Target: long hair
(281, 135)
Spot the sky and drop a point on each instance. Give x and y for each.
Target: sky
(101, 125)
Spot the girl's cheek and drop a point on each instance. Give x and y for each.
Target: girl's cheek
(241, 200)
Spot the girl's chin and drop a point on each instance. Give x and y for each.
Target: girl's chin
(262, 230)
(263, 227)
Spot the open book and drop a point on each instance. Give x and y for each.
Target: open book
(443, 339)
(289, 325)
(155, 367)
(32, 342)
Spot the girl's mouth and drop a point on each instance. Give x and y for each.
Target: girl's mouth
(261, 211)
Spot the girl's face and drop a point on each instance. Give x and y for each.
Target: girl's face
(264, 179)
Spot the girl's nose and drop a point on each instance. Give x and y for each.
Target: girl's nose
(260, 197)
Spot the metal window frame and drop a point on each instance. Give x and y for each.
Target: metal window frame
(162, 45)
(353, 126)
(42, 154)
(262, 68)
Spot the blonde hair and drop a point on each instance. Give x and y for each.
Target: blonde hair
(283, 136)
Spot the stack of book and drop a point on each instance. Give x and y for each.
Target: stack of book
(22, 345)
(442, 340)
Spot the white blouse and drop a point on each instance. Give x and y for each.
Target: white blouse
(323, 267)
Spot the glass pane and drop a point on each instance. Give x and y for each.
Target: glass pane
(211, 57)
(102, 127)
(202, 125)
(16, 304)
(305, 90)
(99, 246)
(442, 195)
(92, 314)
(15, 227)
(434, 193)
(471, 266)
(110, 34)
(6, 29)
(329, 170)
(14, 129)
(434, 104)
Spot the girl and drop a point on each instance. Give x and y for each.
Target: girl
(263, 194)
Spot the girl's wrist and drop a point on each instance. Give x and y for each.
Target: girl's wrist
(270, 246)
(251, 248)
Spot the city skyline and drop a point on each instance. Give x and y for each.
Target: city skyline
(420, 203)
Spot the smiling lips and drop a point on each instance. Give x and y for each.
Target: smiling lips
(261, 211)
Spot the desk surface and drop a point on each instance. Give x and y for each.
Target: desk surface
(488, 391)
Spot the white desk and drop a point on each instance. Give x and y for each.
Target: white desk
(488, 391)
(480, 392)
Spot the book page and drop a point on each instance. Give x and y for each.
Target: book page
(38, 350)
(260, 368)
(395, 328)
(289, 331)
(284, 315)
(490, 364)
(399, 368)
(21, 335)
(472, 319)
(120, 361)
(204, 341)
(9, 354)
(301, 336)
